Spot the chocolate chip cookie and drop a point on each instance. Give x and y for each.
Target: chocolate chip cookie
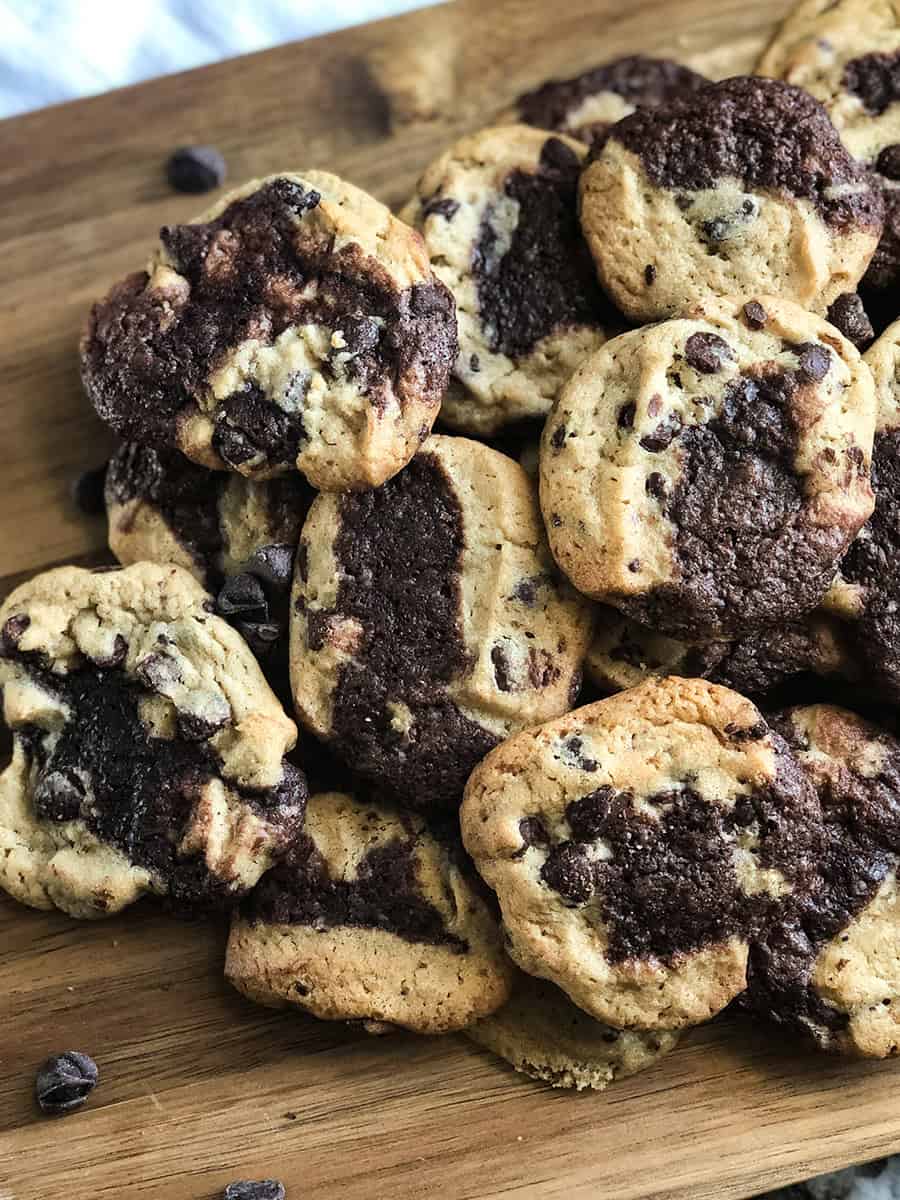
(498, 215)
(773, 202)
(429, 621)
(705, 475)
(541, 1033)
(847, 55)
(586, 105)
(148, 749)
(370, 918)
(639, 844)
(163, 508)
(831, 969)
(296, 325)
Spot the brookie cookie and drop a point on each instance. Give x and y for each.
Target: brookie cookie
(163, 508)
(498, 215)
(847, 55)
(429, 621)
(832, 969)
(295, 325)
(541, 1033)
(624, 654)
(705, 475)
(585, 106)
(148, 750)
(637, 845)
(866, 593)
(772, 201)
(371, 918)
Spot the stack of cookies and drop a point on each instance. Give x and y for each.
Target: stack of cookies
(585, 678)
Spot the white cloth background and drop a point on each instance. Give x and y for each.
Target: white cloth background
(55, 50)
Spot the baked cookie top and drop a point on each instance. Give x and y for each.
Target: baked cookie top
(832, 968)
(587, 104)
(705, 475)
(638, 845)
(373, 918)
(429, 621)
(773, 202)
(540, 1032)
(163, 508)
(148, 748)
(296, 325)
(498, 215)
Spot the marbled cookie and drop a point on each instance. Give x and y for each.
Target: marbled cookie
(148, 749)
(498, 215)
(371, 918)
(638, 845)
(832, 970)
(295, 325)
(429, 621)
(586, 105)
(771, 202)
(541, 1033)
(162, 508)
(705, 475)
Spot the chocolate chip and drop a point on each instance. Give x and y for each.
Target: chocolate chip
(158, 671)
(649, 274)
(555, 520)
(848, 315)
(559, 156)
(196, 728)
(64, 1082)
(243, 596)
(261, 1189)
(195, 169)
(755, 315)
(58, 796)
(118, 655)
(445, 207)
(663, 434)
(587, 815)
(888, 162)
(568, 871)
(533, 833)
(625, 419)
(12, 631)
(88, 491)
(361, 334)
(475, 364)
(634, 566)
(526, 590)
(706, 352)
(815, 360)
(875, 78)
(272, 564)
(747, 733)
(655, 486)
(558, 437)
(260, 636)
(502, 676)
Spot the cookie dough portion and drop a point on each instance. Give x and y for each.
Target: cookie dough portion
(429, 621)
(498, 215)
(624, 654)
(370, 918)
(639, 844)
(705, 475)
(847, 55)
(832, 970)
(541, 1033)
(296, 325)
(163, 508)
(773, 203)
(867, 590)
(148, 749)
(586, 105)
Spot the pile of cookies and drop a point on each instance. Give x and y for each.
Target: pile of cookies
(641, 313)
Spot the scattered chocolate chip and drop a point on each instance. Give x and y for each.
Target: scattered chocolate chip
(272, 564)
(850, 318)
(755, 315)
(12, 631)
(747, 733)
(655, 486)
(361, 335)
(445, 207)
(260, 636)
(242, 595)
(558, 155)
(625, 418)
(634, 566)
(558, 437)
(587, 815)
(261, 1189)
(555, 520)
(568, 871)
(815, 361)
(158, 671)
(195, 169)
(706, 352)
(118, 655)
(88, 491)
(64, 1082)
(194, 728)
(649, 274)
(663, 434)
(888, 162)
(526, 590)
(502, 676)
(875, 79)
(533, 832)
(58, 796)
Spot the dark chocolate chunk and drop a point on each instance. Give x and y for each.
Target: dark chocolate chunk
(662, 436)
(888, 163)
(625, 417)
(243, 596)
(569, 871)
(441, 206)
(655, 485)
(707, 352)
(875, 78)
(195, 169)
(848, 315)
(65, 1081)
(502, 676)
(88, 491)
(12, 631)
(273, 564)
(883, 272)
(533, 832)
(755, 315)
(558, 437)
(58, 796)
(260, 1189)
(814, 360)
(649, 274)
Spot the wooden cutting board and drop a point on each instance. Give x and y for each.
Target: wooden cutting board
(198, 1086)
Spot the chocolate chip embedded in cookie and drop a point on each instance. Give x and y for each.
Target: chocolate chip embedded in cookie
(429, 621)
(164, 508)
(586, 105)
(773, 202)
(541, 1033)
(498, 215)
(148, 750)
(624, 654)
(371, 918)
(832, 969)
(706, 475)
(296, 325)
(638, 845)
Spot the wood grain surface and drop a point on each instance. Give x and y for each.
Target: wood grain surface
(197, 1086)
